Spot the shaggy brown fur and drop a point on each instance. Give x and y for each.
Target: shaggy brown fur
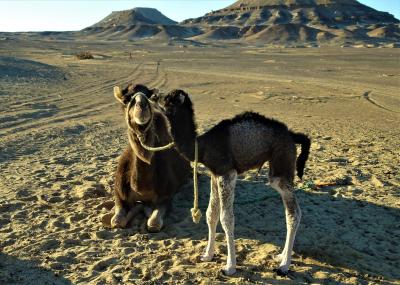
(148, 178)
(234, 146)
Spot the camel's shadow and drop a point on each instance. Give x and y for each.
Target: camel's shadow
(339, 233)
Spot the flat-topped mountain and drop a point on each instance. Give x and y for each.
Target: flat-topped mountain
(136, 16)
(138, 23)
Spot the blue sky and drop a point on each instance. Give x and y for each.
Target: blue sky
(62, 15)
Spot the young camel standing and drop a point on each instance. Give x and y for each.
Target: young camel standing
(234, 146)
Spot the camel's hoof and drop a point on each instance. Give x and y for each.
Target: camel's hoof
(206, 258)
(228, 271)
(118, 221)
(154, 223)
(154, 228)
(281, 271)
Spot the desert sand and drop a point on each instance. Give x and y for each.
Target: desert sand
(61, 132)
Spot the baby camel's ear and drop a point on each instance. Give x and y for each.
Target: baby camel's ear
(182, 96)
(118, 95)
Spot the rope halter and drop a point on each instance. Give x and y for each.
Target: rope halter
(196, 212)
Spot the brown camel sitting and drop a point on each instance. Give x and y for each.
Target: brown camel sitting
(234, 146)
(145, 179)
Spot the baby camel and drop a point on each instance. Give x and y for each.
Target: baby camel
(234, 146)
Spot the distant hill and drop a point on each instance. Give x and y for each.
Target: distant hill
(295, 22)
(136, 16)
(138, 23)
(273, 22)
(332, 13)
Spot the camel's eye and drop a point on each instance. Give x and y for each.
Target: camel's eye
(154, 98)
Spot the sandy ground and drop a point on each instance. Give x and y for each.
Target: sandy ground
(61, 135)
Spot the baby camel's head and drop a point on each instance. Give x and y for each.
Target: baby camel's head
(176, 104)
(179, 110)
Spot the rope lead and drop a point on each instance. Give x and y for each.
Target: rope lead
(196, 212)
(161, 148)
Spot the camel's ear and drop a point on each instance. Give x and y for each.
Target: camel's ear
(154, 95)
(182, 97)
(118, 94)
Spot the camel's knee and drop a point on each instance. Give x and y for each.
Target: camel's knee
(281, 185)
(227, 219)
(292, 207)
(274, 183)
(212, 215)
(213, 210)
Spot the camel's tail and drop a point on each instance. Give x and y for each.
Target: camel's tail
(305, 143)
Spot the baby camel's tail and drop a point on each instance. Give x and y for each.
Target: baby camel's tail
(305, 143)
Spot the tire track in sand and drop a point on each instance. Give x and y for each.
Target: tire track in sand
(367, 96)
(76, 109)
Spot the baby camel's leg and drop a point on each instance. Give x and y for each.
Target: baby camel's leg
(212, 219)
(226, 192)
(293, 216)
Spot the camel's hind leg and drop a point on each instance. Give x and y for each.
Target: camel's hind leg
(293, 216)
(226, 192)
(212, 220)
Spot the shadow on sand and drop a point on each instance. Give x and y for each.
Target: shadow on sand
(339, 234)
(23, 272)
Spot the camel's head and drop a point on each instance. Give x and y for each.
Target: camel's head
(134, 99)
(179, 110)
(176, 103)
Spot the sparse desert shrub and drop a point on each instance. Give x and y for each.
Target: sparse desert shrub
(84, 55)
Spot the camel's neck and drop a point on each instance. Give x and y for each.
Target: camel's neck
(148, 138)
(183, 130)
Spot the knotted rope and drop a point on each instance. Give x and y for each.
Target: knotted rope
(196, 212)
